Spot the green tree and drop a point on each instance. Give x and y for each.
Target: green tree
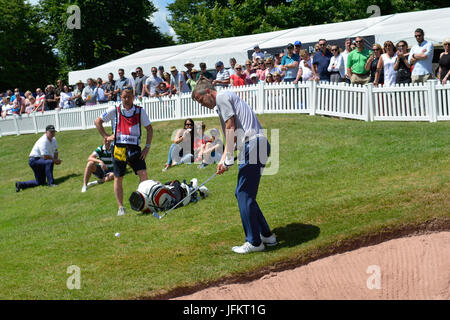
(110, 29)
(26, 57)
(200, 20)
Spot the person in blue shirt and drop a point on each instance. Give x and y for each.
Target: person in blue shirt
(289, 64)
(421, 57)
(100, 92)
(321, 61)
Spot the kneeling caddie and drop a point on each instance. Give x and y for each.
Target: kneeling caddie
(126, 121)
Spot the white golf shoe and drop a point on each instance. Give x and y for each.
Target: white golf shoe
(204, 192)
(248, 247)
(84, 189)
(121, 211)
(270, 241)
(194, 182)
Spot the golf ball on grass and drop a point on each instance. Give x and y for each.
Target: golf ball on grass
(117, 234)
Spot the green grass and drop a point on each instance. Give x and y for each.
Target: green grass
(337, 180)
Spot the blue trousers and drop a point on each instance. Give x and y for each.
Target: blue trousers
(43, 170)
(249, 176)
(174, 148)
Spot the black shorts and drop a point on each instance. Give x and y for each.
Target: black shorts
(133, 159)
(100, 173)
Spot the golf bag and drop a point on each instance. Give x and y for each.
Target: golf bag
(154, 196)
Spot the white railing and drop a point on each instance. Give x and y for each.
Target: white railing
(424, 102)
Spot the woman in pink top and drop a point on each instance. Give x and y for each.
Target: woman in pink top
(261, 71)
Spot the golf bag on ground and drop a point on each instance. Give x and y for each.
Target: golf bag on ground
(154, 196)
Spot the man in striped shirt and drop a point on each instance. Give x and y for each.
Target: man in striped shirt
(100, 164)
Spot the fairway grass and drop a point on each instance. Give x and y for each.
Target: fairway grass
(338, 180)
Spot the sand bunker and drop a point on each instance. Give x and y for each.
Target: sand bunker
(415, 267)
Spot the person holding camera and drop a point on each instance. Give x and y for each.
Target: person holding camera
(126, 121)
(182, 148)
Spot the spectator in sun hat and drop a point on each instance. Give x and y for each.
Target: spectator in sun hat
(189, 65)
(178, 81)
(222, 76)
(257, 53)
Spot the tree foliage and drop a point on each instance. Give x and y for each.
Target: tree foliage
(109, 30)
(26, 57)
(199, 20)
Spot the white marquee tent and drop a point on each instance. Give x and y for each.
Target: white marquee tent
(393, 27)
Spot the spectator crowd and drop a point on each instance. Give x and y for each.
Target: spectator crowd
(382, 65)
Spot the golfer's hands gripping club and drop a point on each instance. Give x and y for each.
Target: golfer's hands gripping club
(225, 164)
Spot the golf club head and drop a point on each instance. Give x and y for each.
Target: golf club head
(156, 215)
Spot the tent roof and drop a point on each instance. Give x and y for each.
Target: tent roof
(394, 27)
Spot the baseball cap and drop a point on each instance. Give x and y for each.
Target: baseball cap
(290, 45)
(254, 75)
(50, 127)
(297, 43)
(255, 46)
(219, 63)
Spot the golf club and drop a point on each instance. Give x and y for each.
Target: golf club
(156, 215)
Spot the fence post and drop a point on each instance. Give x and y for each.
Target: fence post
(57, 120)
(16, 124)
(83, 117)
(178, 114)
(313, 97)
(261, 97)
(369, 102)
(35, 122)
(432, 100)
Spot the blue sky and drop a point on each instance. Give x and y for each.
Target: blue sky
(159, 18)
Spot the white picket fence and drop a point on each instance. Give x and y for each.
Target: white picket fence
(420, 102)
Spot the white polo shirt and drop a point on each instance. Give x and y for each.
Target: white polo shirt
(44, 147)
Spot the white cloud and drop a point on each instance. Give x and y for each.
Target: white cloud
(159, 19)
